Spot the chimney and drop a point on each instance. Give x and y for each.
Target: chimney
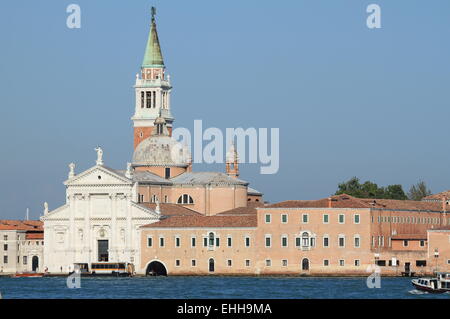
(329, 202)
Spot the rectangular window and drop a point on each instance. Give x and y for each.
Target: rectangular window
(284, 241)
(5, 237)
(380, 263)
(149, 99)
(357, 242)
(229, 263)
(326, 262)
(405, 243)
(342, 262)
(247, 263)
(356, 218)
(284, 218)
(341, 218)
(298, 242)
(193, 242)
(357, 263)
(422, 243)
(161, 242)
(421, 263)
(341, 241)
(268, 218)
(177, 241)
(193, 263)
(247, 241)
(25, 260)
(326, 218)
(5, 259)
(229, 242)
(268, 263)
(149, 241)
(167, 172)
(142, 100)
(326, 242)
(5, 247)
(268, 241)
(177, 263)
(284, 262)
(217, 242)
(205, 242)
(305, 218)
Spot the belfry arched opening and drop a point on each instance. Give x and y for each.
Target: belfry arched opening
(156, 268)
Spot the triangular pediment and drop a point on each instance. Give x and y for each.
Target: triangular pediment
(98, 175)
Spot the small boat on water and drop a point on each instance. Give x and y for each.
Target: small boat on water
(438, 284)
(120, 269)
(27, 275)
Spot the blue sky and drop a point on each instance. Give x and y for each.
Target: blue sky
(349, 101)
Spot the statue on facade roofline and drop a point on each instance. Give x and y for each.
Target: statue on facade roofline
(71, 170)
(45, 208)
(99, 151)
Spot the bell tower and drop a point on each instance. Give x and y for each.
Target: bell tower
(152, 89)
(232, 162)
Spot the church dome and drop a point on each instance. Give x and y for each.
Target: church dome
(161, 151)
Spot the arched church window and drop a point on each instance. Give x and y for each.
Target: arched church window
(185, 199)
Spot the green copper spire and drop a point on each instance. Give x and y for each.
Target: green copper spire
(153, 56)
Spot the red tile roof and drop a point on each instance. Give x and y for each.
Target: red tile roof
(239, 211)
(337, 201)
(347, 201)
(438, 196)
(6, 224)
(172, 209)
(206, 221)
(34, 236)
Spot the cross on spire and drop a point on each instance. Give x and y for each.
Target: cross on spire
(153, 13)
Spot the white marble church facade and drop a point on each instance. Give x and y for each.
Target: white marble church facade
(100, 221)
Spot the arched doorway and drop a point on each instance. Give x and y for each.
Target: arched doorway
(305, 264)
(156, 268)
(35, 263)
(211, 265)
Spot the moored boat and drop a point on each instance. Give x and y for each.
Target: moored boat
(27, 275)
(438, 284)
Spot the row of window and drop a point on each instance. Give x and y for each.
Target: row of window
(307, 240)
(284, 263)
(210, 241)
(24, 259)
(379, 240)
(407, 220)
(183, 199)
(229, 262)
(148, 99)
(305, 218)
(5, 246)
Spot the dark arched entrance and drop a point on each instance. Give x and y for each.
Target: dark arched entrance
(156, 268)
(211, 265)
(35, 263)
(305, 264)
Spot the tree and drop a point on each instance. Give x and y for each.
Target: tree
(370, 190)
(419, 191)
